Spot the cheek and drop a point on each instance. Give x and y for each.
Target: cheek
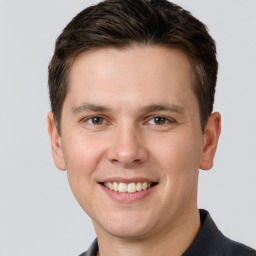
(178, 157)
(81, 153)
(82, 156)
(175, 152)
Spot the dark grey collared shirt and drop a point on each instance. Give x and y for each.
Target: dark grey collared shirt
(208, 242)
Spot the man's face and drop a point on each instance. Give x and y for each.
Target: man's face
(131, 117)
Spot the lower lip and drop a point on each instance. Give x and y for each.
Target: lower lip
(127, 197)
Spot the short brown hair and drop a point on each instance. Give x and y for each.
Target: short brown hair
(122, 23)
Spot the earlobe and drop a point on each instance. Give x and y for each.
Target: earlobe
(211, 138)
(56, 146)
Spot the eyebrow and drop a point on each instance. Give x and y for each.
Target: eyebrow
(89, 107)
(164, 107)
(150, 108)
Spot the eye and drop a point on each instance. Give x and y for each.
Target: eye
(96, 120)
(159, 120)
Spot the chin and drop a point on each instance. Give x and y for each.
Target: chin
(136, 228)
(128, 232)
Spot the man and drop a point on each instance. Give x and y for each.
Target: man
(132, 88)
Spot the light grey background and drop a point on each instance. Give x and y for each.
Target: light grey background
(38, 214)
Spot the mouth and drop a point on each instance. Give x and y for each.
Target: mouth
(132, 187)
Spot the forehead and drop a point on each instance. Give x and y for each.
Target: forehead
(136, 73)
(144, 57)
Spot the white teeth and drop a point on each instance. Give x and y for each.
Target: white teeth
(128, 187)
(115, 186)
(122, 187)
(110, 186)
(139, 186)
(131, 188)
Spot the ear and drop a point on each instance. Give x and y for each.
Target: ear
(211, 138)
(56, 146)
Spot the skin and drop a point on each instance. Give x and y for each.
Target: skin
(127, 141)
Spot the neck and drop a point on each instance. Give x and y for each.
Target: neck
(173, 241)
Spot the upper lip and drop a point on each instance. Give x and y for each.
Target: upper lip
(126, 180)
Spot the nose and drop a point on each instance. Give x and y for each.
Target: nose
(128, 147)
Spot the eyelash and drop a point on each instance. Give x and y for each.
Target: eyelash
(154, 118)
(94, 117)
(165, 119)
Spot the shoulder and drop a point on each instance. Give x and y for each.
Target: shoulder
(235, 248)
(226, 245)
(211, 242)
(92, 251)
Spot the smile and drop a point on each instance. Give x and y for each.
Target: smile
(128, 187)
